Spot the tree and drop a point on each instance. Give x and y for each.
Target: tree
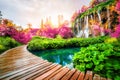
(0, 17)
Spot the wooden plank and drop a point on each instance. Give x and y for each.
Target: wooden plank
(54, 73)
(81, 76)
(39, 72)
(96, 77)
(75, 76)
(20, 70)
(60, 74)
(48, 73)
(27, 71)
(10, 68)
(88, 75)
(68, 75)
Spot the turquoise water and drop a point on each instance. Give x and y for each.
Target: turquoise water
(59, 56)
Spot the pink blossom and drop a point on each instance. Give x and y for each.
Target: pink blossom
(49, 32)
(3, 30)
(117, 32)
(96, 29)
(22, 37)
(118, 6)
(84, 8)
(74, 16)
(107, 31)
(65, 32)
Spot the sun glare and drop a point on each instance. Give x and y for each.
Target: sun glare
(54, 21)
(57, 19)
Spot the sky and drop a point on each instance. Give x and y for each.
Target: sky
(22, 12)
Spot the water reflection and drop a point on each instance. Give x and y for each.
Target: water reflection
(59, 56)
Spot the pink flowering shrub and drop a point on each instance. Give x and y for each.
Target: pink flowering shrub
(7, 31)
(84, 8)
(118, 6)
(22, 37)
(117, 32)
(107, 31)
(33, 32)
(3, 30)
(11, 31)
(65, 32)
(74, 16)
(96, 29)
(49, 32)
(119, 19)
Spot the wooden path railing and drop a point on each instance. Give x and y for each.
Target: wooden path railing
(20, 64)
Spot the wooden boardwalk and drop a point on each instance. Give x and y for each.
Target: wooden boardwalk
(20, 64)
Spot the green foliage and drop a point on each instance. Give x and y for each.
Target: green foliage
(40, 38)
(111, 40)
(102, 58)
(7, 43)
(2, 48)
(38, 43)
(59, 37)
(96, 8)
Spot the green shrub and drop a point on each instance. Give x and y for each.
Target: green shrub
(110, 40)
(41, 44)
(40, 38)
(102, 58)
(38, 43)
(7, 43)
(2, 48)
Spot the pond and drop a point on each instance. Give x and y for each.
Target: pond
(59, 56)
